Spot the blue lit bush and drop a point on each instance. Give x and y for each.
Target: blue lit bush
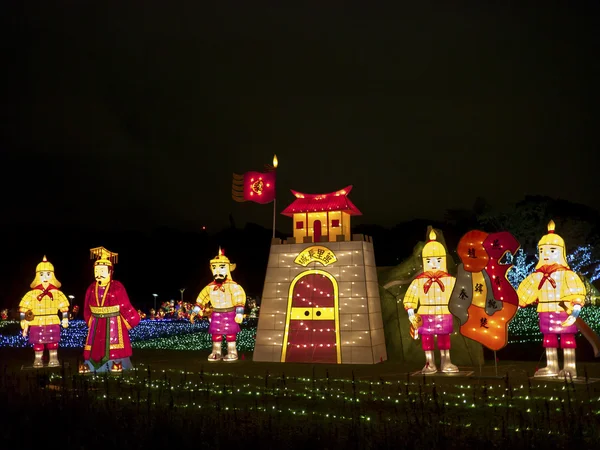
(149, 334)
(182, 335)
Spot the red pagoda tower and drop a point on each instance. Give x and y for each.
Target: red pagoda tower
(320, 301)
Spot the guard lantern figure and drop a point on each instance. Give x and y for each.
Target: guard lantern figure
(429, 294)
(223, 301)
(38, 312)
(553, 284)
(109, 316)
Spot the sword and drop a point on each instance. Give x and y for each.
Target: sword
(586, 331)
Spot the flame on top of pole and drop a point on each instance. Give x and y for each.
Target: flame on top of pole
(275, 162)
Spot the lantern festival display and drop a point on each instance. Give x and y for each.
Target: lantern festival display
(429, 294)
(560, 294)
(320, 301)
(222, 301)
(38, 311)
(483, 299)
(109, 316)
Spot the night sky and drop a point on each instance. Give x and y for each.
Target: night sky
(135, 114)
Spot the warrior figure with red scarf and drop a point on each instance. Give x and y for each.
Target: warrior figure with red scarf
(430, 293)
(552, 283)
(38, 312)
(109, 316)
(223, 301)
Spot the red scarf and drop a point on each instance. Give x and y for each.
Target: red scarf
(548, 270)
(433, 277)
(218, 286)
(45, 292)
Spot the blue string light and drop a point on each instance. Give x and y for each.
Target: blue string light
(164, 334)
(173, 334)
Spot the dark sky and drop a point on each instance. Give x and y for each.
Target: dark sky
(135, 114)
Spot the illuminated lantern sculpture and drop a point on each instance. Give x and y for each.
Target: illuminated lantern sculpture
(109, 316)
(560, 294)
(483, 300)
(38, 312)
(429, 294)
(223, 301)
(320, 300)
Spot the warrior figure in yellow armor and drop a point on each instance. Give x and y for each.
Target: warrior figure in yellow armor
(38, 312)
(430, 293)
(554, 282)
(223, 301)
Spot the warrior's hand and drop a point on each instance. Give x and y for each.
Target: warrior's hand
(411, 316)
(195, 312)
(25, 330)
(572, 316)
(239, 314)
(65, 323)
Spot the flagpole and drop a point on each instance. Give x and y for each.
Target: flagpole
(275, 163)
(274, 215)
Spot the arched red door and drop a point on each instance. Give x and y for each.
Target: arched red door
(312, 336)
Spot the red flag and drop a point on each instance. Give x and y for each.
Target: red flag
(258, 187)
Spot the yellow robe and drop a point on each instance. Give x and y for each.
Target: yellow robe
(45, 310)
(231, 295)
(435, 301)
(567, 287)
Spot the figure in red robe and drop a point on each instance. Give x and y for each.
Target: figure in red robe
(109, 316)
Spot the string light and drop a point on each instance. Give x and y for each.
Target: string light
(181, 335)
(533, 407)
(580, 260)
(524, 328)
(149, 334)
(485, 302)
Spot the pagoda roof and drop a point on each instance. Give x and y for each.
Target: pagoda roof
(333, 201)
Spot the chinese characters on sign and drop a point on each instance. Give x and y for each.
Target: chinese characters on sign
(257, 186)
(315, 253)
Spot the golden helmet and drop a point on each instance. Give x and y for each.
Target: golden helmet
(45, 266)
(222, 259)
(433, 248)
(552, 238)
